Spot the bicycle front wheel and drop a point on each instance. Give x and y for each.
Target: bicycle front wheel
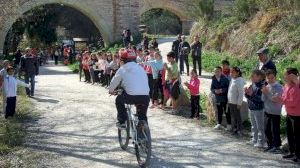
(143, 146)
(124, 135)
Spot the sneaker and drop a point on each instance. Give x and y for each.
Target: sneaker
(121, 125)
(275, 150)
(289, 156)
(296, 159)
(268, 149)
(218, 126)
(228, 128)
(258, 145)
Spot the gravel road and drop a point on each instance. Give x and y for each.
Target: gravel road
(77, 126)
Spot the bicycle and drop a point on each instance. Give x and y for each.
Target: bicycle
(139, 132)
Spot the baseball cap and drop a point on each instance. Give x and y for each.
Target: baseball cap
(263, 51)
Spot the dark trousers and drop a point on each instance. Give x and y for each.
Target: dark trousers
(124, 98)
(10, 107)
(197, 60)
(31, 79)
(236, 119)
(80, 72)
(96, 74)
(155, 89)
(272, 130)
(184, 59)
(176, 58)
(195, 106)
(221, 109)
(293, 134)
(87, 75)
(150, 83)
(56, 59)
(161, 90)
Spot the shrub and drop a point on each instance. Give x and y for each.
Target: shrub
(245, 9)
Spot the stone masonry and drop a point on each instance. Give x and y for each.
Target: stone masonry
(109, 16)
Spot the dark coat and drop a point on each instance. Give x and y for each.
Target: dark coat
(222, 84)
(196, 49)
(255, 100)
(29, 65)
(182, 51)
(268, 66)
(175, 47)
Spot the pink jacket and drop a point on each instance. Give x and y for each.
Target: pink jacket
(193, 86)
(291, 100)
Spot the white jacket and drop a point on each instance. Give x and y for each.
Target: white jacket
(236, 91)
(11, 84)
(132, 78)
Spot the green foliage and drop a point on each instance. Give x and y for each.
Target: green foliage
(12, 132)
(202, 8)
(160, 21)
(244, 9)
(258, 39)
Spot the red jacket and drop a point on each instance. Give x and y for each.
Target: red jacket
(291, 100)
(193, 86)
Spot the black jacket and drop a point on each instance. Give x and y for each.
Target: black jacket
(196, 49)
(175, 46)
(268, 66)
(254, 101)
(222, 84)
(182, 50)
(29, 65)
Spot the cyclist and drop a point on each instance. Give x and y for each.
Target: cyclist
(133, 79)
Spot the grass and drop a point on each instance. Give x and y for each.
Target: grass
(12, 131)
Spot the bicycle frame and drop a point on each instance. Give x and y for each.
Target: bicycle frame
(132, 122)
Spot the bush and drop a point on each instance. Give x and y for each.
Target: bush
(245, 9)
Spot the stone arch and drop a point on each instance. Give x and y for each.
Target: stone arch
(177, 8)
(84, 8)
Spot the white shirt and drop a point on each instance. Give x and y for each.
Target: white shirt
(10, 85)
(132, 78)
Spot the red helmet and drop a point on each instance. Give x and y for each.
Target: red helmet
(127, 54)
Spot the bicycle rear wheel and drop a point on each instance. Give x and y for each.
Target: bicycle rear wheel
(143, 146)
(124, 135)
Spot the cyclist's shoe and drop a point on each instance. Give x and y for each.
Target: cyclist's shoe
(121, 125)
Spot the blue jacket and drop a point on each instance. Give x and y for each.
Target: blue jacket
(255, 100)
(222, 84)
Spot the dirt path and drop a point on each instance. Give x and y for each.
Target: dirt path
(77, 126)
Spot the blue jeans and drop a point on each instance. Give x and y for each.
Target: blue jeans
(31, 79)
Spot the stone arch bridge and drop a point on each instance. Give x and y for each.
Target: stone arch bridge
(109, 16)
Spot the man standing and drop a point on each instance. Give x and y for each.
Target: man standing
(265, 63)
(196, 53)
(175, 46)
(30, 68)
(184, 51)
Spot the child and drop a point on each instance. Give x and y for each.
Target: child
(193, 86)
(226, 68)
(235, 99)
(219, 87)
(10, 89)
(256, 106)
(171, 77)
(291, 99)
(272, 112)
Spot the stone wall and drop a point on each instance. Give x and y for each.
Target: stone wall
(109, 16)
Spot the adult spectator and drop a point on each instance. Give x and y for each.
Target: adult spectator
(30, 68)
(154, 43)
(175, 47)
(17, 58)
(145, 43)
(196, 54)
(184, 51)
(265, 63)
(126, 37)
